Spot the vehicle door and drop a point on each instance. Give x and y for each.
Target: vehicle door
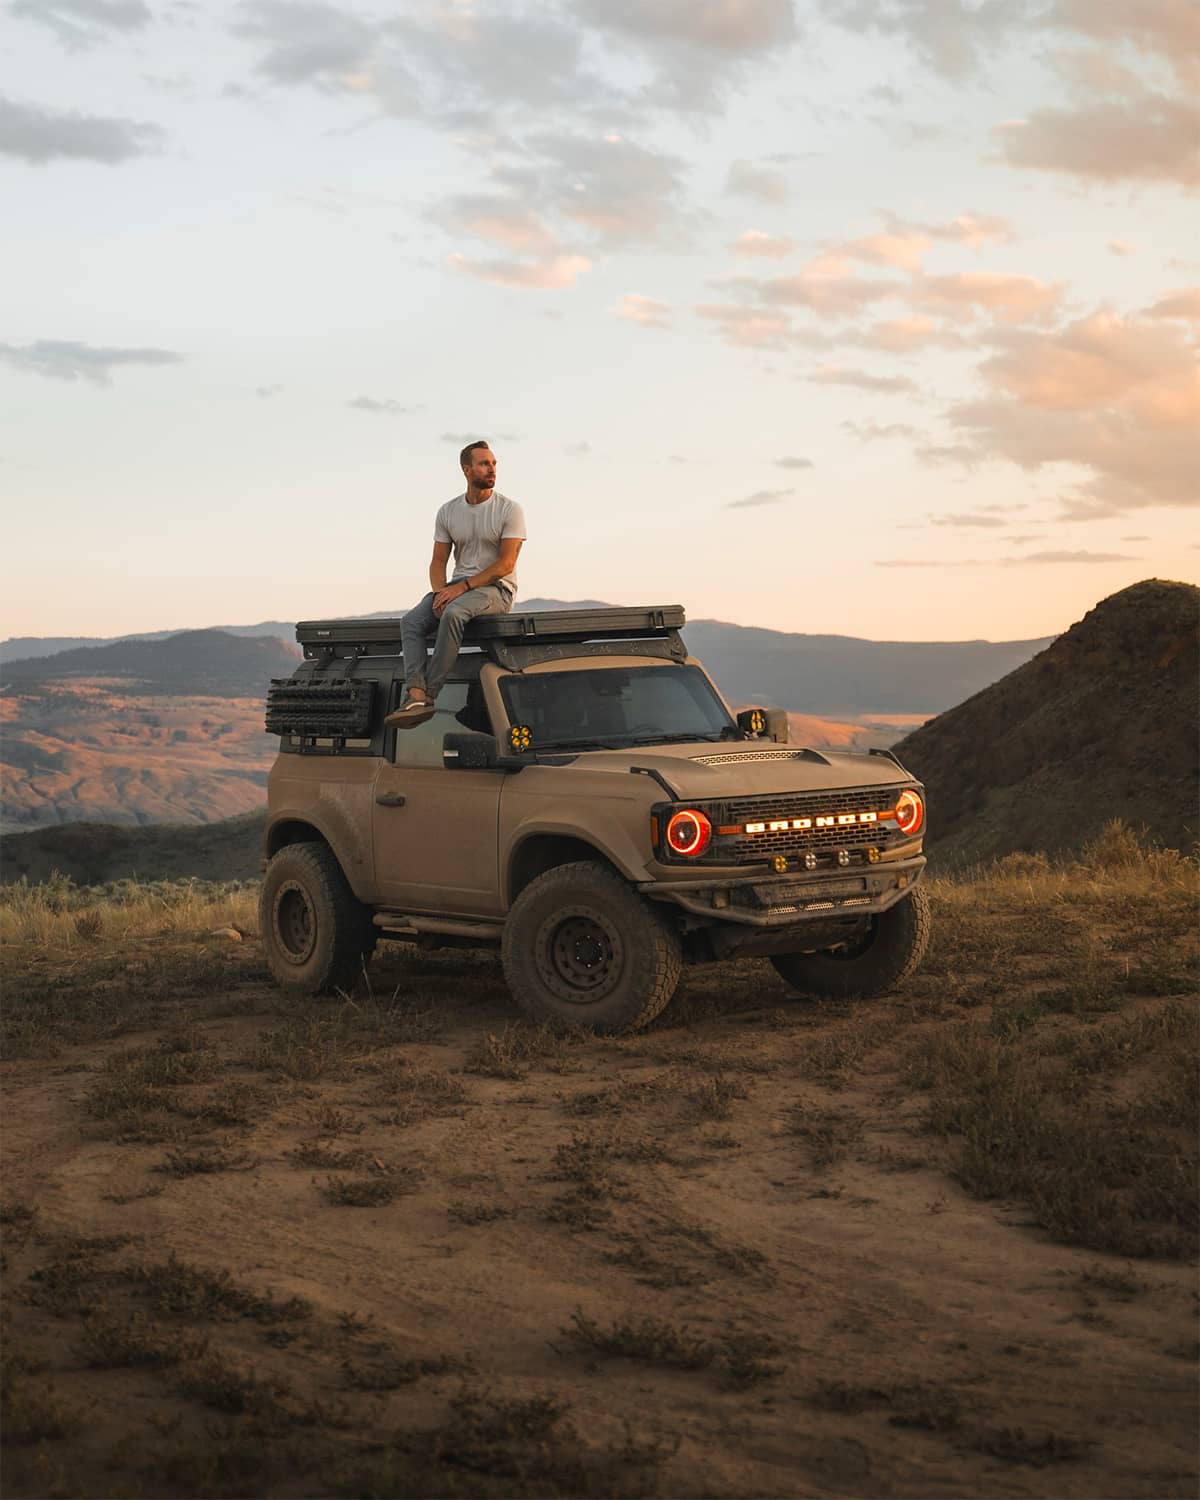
(436, 831)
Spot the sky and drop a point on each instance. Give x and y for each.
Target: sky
(863, 317)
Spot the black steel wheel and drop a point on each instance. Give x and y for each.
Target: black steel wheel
(582, 948)
(316, 934)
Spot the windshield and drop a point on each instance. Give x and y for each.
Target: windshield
(609, 707)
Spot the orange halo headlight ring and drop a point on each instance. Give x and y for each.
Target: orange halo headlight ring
(910, 812)
(688, 833)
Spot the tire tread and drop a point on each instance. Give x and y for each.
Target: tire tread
(665, 955)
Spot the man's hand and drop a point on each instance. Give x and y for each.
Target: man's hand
(447, 595)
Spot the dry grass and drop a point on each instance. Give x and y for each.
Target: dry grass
(1044, 1057)
(1077, 1098)
(57, 916)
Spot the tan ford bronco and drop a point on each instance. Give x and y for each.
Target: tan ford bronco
(584, 799)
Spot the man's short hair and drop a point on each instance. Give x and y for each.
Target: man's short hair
(469, 449)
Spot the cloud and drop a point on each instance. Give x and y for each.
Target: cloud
(61, 359)
(611, 188)
(746, 327)
(1137, 538)
(698, 48)
(1184, 304)
(635, 308)
(265, 392)
(906, 335)
(972, 230)
(461, 439)
(554, 274)
(577, 450)
(790, 461)
(384, 407)
(890, 385)
(747, 180)
(486, 63)
(306, 42)
(934, 454)
(1116, 397)
(966, 518)
(1168, 30)
(37, 134)
(770, 246)
(950, 36)
(827, 296)
(496, 218)
(82, 23)
(1152, 138)
(1076, 557)
(726, 27)
(759, 497)
(447, 64)
(872, 432)
(1004, 562)
(902, 244)
(1015, 299)
(1122, 247)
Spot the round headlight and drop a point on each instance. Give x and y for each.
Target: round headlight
(910, 812)
(688, 833)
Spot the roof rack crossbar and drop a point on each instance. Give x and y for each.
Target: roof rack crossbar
(536, 627)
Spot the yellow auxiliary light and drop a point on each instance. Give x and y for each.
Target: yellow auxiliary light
(758, 721)
(873, 856)
(520, 737)
(780, 864)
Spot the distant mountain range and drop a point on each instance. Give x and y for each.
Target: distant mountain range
(831, 676)
(26, 647)
(205, 662)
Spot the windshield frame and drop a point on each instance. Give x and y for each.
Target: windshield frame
(724, 726)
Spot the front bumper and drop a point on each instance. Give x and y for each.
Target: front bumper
(768, 901)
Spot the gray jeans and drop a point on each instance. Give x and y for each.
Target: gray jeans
(420, 623)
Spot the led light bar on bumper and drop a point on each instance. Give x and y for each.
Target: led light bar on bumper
(796, 831)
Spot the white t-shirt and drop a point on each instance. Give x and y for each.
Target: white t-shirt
(476, 532)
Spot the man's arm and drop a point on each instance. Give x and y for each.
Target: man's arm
(437, 566)
(506, 561)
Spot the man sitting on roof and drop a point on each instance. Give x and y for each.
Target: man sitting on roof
(485, 530)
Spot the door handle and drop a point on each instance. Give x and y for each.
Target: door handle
(390, 799)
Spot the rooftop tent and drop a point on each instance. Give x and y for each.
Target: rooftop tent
(382, 636)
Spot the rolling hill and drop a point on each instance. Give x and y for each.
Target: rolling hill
(1102, 724)
(97, 853)
(213, 663)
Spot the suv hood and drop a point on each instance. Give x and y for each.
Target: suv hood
(701, 771)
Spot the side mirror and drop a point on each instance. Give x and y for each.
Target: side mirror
(470, 752)
(764, 724)
(477, 752)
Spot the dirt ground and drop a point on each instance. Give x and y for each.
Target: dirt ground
(403, 1244)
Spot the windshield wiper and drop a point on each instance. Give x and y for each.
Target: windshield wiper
(675, 739)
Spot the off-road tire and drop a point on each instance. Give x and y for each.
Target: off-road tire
(895, 945)
(581, 948)
(317, 935)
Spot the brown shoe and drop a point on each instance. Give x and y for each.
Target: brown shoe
(414, 711)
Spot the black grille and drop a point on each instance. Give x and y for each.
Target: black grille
(751, 848)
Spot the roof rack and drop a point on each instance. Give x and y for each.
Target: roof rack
(502, 636)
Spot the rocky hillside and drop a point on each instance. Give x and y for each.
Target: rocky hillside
(84, 750)
(1100, 725)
